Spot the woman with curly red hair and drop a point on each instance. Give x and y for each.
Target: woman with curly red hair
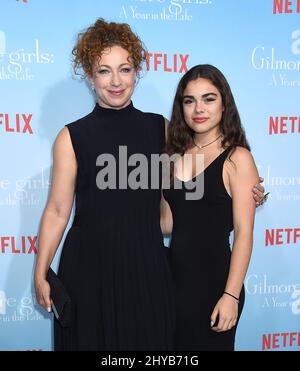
(113, 262)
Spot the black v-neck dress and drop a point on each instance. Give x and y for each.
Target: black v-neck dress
(113, 261)
(200, 259)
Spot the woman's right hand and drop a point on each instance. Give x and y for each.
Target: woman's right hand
(42, 289)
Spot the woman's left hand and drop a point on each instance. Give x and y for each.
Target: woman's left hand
(227, 310)
(258, 193)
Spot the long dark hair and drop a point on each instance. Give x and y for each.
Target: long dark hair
(180, 135)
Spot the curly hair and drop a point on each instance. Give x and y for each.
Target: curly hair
(102, 35)
(180, 135)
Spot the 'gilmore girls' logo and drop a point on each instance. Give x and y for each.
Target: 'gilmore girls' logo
(162, 10)
(268, 59)
(272, 179)
(274, 296)
(284, 187)
(285, 70)
(28, 191)
(18, 309)
(14, 65)
(260, 285)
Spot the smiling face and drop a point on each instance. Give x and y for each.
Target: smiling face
(114, 78)
(202, 107)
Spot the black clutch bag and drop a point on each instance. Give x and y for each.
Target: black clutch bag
(61, 301)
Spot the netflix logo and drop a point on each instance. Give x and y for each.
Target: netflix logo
(280, 340)
(18, 123)
(167, 63)
(18, 245)
(286, 6)
(282, 236)
(284, 125)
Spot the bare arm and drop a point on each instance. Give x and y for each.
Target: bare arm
(166, 219)
(241, 180)
(57, 212)
(242, 175)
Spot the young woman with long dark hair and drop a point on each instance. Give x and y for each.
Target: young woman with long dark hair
(208, 276)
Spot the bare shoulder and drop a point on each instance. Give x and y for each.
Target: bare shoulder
(241, 157)
(63, 139)
(63, 136)
(240, 174)
(63, 145)
(240, 163)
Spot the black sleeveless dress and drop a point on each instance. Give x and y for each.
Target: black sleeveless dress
(200, 258)
(113, 262)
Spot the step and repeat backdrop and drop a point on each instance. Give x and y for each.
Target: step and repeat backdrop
(257, 46)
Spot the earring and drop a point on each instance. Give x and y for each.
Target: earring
(93, 87)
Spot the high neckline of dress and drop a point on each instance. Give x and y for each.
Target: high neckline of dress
(103, 111)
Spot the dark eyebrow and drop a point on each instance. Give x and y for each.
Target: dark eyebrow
(206, 95)
(203, 96)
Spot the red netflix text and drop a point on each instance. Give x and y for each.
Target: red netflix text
(18, 123)
(284, 125)
(286, 6)
(282, 236)
(18, 245)
(167, 63)
(280, 340)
